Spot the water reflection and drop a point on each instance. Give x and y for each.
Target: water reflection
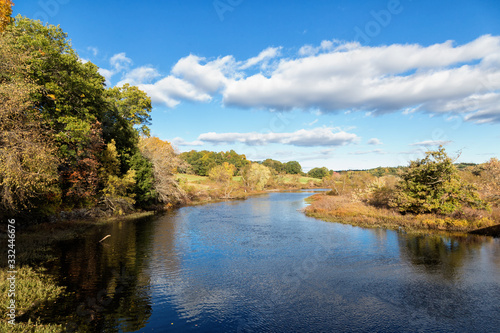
(108, 284)
(440, 254)
(261, 265)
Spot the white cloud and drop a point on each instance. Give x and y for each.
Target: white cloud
(171, 90)
(312, 122)
(208, 77)
(263, 58)
(181, 142)
(339, 76)
(321, 136)
(325, 46)
(437, 79)
(431, 143)
(374, 141)
(120, 62)
(93, 50)
(107, 73)
(140, 75)
(374, 151)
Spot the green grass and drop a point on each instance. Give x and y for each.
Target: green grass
(191, 178)
(305, 180)
(33, 291)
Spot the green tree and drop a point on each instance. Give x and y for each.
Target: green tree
(133, 105)
(144, 190)
(275, 165)
(432, 185)
(126, 118)
(70, 104)
(293, 167)
(28, 161)
(202, 162)
(319, 172)
(231, 157)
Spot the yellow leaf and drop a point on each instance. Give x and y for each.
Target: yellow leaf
(51, 96)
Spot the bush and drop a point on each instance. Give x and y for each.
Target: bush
(381, 191)
(432, 185)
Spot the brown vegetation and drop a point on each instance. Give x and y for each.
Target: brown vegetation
(362, 199)
(344, 209)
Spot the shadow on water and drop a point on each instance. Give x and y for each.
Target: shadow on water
(107, 283)
(438, 254)
(262, 265)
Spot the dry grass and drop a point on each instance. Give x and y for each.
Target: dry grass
(34, 291)
(344, 210)
(201, 189)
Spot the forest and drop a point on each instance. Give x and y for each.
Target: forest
(69, 143)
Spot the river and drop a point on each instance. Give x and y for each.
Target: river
(261, 265)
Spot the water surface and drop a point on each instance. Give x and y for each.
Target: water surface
(261, 265)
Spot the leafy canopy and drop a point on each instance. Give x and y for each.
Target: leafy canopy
(432, 185)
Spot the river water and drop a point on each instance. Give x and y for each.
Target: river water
(261, 265)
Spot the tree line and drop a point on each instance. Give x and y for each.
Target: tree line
(66, 140)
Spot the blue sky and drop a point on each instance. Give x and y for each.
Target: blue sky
(342, 84)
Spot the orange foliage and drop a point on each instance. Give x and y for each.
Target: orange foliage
(5, 12)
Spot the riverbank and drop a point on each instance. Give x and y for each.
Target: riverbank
(34, 287)
(342, 209)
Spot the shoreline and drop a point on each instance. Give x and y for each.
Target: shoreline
(341, 210)
(43, 236)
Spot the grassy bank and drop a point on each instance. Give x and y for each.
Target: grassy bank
(34, 288)
(200, 189)
(343, 209)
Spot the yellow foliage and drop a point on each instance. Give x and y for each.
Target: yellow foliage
(165, 163)
(5, 12)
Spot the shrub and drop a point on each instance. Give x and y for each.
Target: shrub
(432, 185)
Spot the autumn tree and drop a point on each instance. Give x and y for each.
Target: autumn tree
(222, 173)
(28, 162)
(255, 176)
(5, 12)
(223, 176)
(69, 102)
(488, 180)
(165, 163)
(432, 185)
(75, 117)
(117, 194)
